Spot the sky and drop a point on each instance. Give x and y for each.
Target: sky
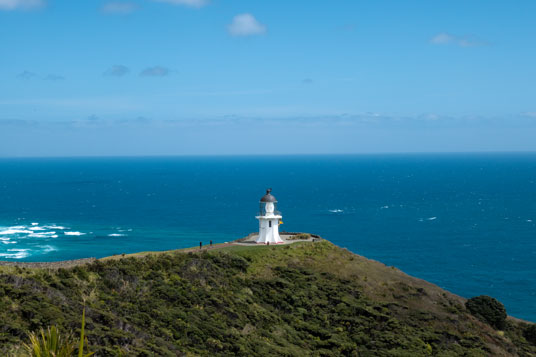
(227, 77)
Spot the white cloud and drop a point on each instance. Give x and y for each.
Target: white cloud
(117, 70)
(54, 77)
(189, 3)
(444, 38)
(156, 71)
(26, 75)
(118, 7)
(246, 25)
(529, 114)
(471, 42)
(20, 4)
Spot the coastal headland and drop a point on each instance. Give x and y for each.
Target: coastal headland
(307, 297)
(249, 240)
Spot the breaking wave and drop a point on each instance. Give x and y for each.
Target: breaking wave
(15, 230)
(15, 253)
(21, 241)
(55, 227)
(35, 239)
(336, 210)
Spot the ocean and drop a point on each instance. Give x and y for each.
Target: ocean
(466, 222)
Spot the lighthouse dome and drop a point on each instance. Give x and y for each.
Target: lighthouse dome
(268, 197)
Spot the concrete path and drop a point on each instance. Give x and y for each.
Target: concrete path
(250, 240)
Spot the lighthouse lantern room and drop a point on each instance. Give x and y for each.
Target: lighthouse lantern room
(269, 219)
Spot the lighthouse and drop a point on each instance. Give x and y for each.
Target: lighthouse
(269, 219)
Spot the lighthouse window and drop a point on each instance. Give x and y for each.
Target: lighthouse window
(269, 223)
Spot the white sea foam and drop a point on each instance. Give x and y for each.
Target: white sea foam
(37, 235)
(16, 253)
(336, 210)
(43, 235)
(36, 228)
(428, 219)
(13, 230)
(384, 207)
(35, 224)
(116, 235)
(56, 227)
(73, 233)
(47, 248)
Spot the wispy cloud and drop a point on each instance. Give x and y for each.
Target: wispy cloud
(364, 120)
(529, 115)
(119, 104)
(117, 70)
(246, 25)
(54, 77)
(307, 81)
(18, 122)
(21, 4)
(26, 75)
(224, 93)
(156, 71)
(189, 3)
(140, 120)
(348, 27)
(444, 38)
(118, 7)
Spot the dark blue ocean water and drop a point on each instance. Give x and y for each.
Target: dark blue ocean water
(464, 222)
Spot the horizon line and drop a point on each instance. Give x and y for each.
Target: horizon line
(379, 153)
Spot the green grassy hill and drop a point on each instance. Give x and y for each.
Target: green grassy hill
(293, 300)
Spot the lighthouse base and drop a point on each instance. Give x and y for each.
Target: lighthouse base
(269, 230)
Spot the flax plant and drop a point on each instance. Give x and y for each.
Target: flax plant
(51, 343)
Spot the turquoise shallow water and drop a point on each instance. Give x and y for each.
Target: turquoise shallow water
(464, 222)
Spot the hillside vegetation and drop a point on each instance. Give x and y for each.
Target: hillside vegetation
(293, 300)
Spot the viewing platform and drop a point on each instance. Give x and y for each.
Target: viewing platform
(287, 237)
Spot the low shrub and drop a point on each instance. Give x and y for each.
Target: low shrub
(530, 334)
(300, 236)
(487, 309)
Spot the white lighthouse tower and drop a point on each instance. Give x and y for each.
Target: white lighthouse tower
(269, 220)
